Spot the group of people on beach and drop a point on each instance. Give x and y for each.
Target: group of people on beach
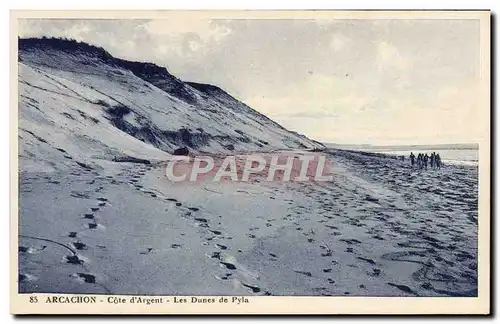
(423, 160)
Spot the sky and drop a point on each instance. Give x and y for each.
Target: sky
(346, 81)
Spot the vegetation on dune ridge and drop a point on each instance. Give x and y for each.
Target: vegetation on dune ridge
(161, 78)
(64, 44)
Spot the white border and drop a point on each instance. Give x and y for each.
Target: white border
(186, 4)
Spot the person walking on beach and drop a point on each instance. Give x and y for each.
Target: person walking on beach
(438, 161)
(432, 159)
(412, 159)
(426, 159)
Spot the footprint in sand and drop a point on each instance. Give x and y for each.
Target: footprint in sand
(31, 249)
(225, 277)
(210, 238)
(350, 241)
(77, 194)
(201, 220)
(328, 251)
(403, 288)
(26, 277)
(72, 234)
(305, 273)
(147, 251)
(74, 259)
(79, 245)
(221, 246)
(254, 289)
(228, 265)
(214, 255)
(202, 224)
(85, 277)
(370, 261)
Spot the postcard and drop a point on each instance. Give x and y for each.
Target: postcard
(250, 162)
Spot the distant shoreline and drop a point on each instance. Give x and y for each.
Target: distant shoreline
(464, 157)
(462, 146)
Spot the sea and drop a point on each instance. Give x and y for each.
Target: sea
(453, 154)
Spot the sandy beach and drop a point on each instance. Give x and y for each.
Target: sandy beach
(380, 228)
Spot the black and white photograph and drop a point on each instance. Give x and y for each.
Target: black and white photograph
(187, 156)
